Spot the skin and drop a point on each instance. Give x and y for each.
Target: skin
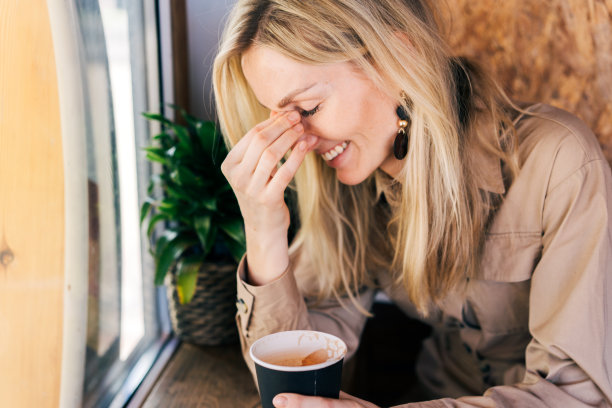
(348, 108)
(301, 401)
(313, 108)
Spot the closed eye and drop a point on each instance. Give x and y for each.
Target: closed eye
(311, 112)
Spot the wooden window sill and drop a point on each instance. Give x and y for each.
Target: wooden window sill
(204, 377)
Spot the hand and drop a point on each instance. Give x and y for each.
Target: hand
(251, 168)
(302, 401)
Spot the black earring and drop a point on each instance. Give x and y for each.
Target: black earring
(400, 145)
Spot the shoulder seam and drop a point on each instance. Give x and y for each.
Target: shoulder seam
(585, 164)
(571, 129)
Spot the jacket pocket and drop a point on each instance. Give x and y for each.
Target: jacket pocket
(510, 257)
(497, 301)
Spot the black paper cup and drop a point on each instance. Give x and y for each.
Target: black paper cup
(320, 379)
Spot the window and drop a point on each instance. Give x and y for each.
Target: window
(127, 321)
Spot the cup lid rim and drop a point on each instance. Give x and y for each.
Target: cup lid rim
(311, 367)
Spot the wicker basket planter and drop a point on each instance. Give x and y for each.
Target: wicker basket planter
(209, 319)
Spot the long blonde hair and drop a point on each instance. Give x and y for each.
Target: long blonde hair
(433, 235)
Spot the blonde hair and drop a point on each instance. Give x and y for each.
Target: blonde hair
(433, 236)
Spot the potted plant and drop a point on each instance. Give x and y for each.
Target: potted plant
(203, 237)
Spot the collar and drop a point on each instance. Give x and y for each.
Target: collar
(489, 170)
(489, 166)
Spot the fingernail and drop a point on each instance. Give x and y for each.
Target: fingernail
(279, 401)
(294, 116)
(302, 145)
(311, 140)
(299, 127)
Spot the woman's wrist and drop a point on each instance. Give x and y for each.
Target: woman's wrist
(267, 259)
(257, 277)
(261, 273)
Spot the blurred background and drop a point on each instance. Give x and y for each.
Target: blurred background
(81, 321)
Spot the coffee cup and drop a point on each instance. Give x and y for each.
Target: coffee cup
(299, 361)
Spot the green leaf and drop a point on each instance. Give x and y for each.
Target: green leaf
(183, 136)
(187, 278)
(186, 177)
(234, 229)
(167, 205)
(192, 120)
(150, 187)
(163, 240)
(154, 157)
(176, 107)
(210, 203)
(156, 150)
(202, 226)
(223, 189)
(237, 249)
(210, 241)
(207, 232)
(207, 135)
(171, 213)
(161, 136)
(158, 246)
(157, 117)
(155, 179)
(156, 218)
(144, 210)
(177, 192)
(169, 254)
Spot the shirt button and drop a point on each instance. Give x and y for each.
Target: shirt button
(242, 306)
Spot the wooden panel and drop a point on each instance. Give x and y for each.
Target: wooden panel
(31, 209)
(557, 51)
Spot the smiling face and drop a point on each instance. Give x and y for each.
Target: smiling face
(355, 122)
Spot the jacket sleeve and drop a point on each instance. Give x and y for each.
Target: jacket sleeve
(569, 359)
(279, 306)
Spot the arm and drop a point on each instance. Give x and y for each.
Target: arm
(279, 305)
(253, 169)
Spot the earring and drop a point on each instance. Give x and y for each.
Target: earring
(400, 145)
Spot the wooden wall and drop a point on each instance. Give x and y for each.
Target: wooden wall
(554, 51)
(31, 209)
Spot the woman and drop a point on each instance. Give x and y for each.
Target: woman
(415, 176)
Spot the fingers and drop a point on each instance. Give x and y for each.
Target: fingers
(237, 152)
(282, 127)
(285, 173)
(301, 401)
(362, 403)
(252, 166)
(272, 154)
(249, 149)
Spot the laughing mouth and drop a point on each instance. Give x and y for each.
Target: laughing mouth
(333, 153)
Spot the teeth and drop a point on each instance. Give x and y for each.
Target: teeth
(333, 153)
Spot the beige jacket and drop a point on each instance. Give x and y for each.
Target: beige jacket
(535, 328)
